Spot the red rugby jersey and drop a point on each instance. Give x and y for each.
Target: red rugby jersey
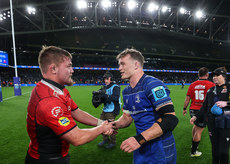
(49, 117)
(197, 92)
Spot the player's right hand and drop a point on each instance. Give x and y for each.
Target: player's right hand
(184, 112)
(107, 128)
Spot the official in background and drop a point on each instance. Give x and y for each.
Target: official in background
(147, 103)
(111, 107)
(216, 106)
(51, 112)
(196, 93)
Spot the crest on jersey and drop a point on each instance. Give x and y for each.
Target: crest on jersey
(137, 98)
(64, 121)
(159, 93)
(57, 111)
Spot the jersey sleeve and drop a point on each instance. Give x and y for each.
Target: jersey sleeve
(74, 106)
(158, 94)
(54, 114)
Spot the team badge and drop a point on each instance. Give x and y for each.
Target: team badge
(224, 91)
(137, 98)
(64, 121)
(57, 111)
(159, 93)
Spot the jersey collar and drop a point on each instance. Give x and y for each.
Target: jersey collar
(59, 86)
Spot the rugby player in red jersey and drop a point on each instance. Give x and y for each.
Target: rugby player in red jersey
(51, 112)
(196, 93)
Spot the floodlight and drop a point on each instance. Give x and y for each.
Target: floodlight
(106, 3)
(31, 10)
(199, 14)
(81, 4)
(182, 10)
(152, 7)
(164, 9)
(131, 4)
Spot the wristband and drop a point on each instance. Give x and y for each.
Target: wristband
(184, 109)
(140, 139)
(228, 103)
(99, 122)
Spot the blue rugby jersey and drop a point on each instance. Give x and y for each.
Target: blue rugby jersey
(142, 103)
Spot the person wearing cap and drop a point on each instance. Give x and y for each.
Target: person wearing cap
(196, 93)
(217, 108)
(111, 107)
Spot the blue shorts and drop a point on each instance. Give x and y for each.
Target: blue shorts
(158, 151)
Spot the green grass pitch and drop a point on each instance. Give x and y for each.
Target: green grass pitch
(14, 140)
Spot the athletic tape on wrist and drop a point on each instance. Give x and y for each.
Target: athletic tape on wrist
(99, 122)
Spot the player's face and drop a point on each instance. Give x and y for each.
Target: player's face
(64, 72)
(126, 67)
(218, 79)
(107, 81)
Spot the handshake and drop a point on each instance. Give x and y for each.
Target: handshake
(108, 127)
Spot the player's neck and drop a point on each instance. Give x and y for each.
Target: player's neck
(135, 78)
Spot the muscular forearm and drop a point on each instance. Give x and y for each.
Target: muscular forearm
(153, 132)
(124, 121)
(84, 118)
(78, 136)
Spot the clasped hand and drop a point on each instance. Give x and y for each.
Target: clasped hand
(108, 128)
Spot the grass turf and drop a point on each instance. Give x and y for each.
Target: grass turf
(14, 140)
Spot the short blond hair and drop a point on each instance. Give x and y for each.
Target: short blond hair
(134, 54)
(51, 55)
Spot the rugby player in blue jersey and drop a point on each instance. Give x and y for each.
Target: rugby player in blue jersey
(147, 102)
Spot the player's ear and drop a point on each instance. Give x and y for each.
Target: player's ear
(53, 68)
(137, 65)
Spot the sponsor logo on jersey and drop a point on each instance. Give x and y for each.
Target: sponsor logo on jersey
(64, 121)
(159, 93)
(57, 111)
(200, 87)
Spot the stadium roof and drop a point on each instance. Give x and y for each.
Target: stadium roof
(63, 15)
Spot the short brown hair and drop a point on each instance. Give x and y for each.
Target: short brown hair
(51, 54)
(202, 71)
(134, 54)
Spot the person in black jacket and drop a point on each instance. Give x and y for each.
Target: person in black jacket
(111, 108)
(217, 108)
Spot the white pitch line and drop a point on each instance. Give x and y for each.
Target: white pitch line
(15, 96)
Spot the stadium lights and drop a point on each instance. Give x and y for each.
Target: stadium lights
(165, 8)
(106, 4)
(131, 4)
(31, 10)
(81, 4)
(152, 7)
(199, 14)
(4, 16)
(184, 11)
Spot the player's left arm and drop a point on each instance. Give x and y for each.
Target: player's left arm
(167, 122)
